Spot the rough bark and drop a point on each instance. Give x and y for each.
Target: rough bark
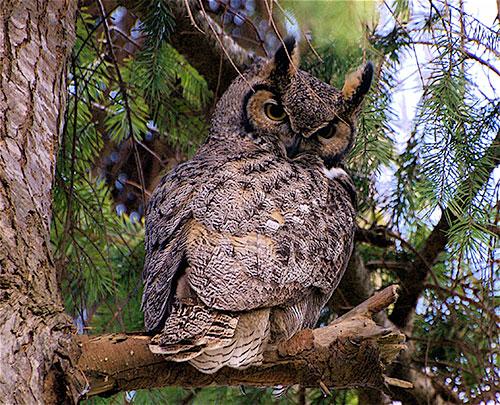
(350, 352)
(356, 287)
(35, 342)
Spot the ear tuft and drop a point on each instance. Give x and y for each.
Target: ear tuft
(286, 58)
(357, 84)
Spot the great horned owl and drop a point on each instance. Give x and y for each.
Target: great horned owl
(246, 242)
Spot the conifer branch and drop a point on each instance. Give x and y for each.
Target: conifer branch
(413, 280)
(206, 50)
(350, 352)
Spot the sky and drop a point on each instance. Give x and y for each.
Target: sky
(408, 91)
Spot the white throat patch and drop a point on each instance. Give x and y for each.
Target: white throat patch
(334, 172)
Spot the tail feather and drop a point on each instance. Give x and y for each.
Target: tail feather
(211, 339)
(190, 329)
(186, 354)
(246, 346)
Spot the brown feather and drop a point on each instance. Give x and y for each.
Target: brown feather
(244, 243)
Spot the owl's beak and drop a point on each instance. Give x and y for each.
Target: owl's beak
(292, 146)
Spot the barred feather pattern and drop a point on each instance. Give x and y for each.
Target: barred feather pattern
(191, 329)
(246, 242)
(233, 258)
(243, 350)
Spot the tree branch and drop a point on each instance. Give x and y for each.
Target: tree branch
(376, 236)
(212, 52)
(350, 352)
(413, 281)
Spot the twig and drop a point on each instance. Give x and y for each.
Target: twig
(191, 17)
(209, 23)
(470, 55)
(122, 86)
(444, 293)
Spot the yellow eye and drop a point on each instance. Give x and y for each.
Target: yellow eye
(328, 131)
(274, 111)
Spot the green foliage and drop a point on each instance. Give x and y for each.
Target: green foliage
(341, 20)
(445, 167)
(175, 92)
(100, 253)
(145, 397)
(443, 164)
(126, 120)
(230, 395)
(170, 86)
(333, 63)
(374, 146)
(166, 72)
(157, 22)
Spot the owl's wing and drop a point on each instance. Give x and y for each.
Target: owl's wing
(166, 216)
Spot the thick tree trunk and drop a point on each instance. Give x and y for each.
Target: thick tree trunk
(36, 37)
(36, 349)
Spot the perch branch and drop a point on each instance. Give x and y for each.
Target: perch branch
(350, 352)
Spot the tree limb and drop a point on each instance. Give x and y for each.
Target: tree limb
(356, 287)
(376, 236)
(428, 389)
(210, 51)
(413, 281)
(350, 352)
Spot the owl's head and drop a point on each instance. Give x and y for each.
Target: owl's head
(277, 105)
